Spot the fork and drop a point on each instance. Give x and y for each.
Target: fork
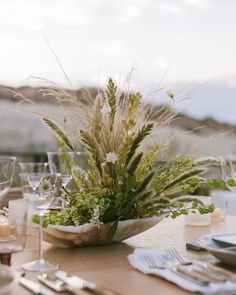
(153, 263)
(211, 271)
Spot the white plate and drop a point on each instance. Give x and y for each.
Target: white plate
(214, 244)
(226, 239)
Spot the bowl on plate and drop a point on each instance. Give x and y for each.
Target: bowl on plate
(220, 247)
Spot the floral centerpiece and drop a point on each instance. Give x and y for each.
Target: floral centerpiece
(123, 188)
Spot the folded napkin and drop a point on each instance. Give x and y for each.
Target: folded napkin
(136, 260)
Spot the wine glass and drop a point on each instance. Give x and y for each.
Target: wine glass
(60, 164)
(34, 173)
(38, 178)
(7, 168)
(228, 171)
(13, 230)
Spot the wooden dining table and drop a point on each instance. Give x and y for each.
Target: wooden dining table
(108, 265)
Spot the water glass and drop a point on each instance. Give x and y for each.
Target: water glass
(13, 230)
(220, 200)
(197, 219)
(228, 171)
(7, 167)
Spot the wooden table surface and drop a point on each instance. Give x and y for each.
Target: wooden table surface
(108, 265)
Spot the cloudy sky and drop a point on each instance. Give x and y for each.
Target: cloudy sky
(186, 45)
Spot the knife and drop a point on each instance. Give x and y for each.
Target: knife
(75, 284)
(35, 287)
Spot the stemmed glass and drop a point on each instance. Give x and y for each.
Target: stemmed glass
(37, 175)
(7, 168)
(59, 164)
(34, 173)
(228, 171)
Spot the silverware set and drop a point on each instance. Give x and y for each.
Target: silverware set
(63, 282)
(198, 272)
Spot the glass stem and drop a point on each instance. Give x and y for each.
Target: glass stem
(40, 237)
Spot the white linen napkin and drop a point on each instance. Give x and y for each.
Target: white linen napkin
(137, 262)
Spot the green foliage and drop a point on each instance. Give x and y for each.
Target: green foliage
(59, 132)
(122, 179)
(146, 130)
(231, 182)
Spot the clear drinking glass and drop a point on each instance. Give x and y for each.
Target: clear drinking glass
(13, 230)
(7, 168)
(37, 176)
(34, 173)
(228, 171)
(60, 164)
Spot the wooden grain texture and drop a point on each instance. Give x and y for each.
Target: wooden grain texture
(108, 265)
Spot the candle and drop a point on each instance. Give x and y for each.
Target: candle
(4, 230)
(217, 213)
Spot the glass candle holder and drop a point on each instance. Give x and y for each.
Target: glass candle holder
(220, 201)
(13, 230)
(197, 219)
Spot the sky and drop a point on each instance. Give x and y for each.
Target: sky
(185, 45)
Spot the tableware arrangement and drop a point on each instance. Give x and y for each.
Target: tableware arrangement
(194, 276)
(116, 188)
(36, 176)
(61, 281)
(222, 246)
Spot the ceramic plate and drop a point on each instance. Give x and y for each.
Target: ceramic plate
(224, 251)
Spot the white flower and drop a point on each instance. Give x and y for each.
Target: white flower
(96, 215)
(105, 111)
(111, 157)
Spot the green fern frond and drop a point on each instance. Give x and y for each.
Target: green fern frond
(146, 130)
(144, 196)
(183, 177)
(134, 164)
(145, 183)
(186, 199)
(148, 159)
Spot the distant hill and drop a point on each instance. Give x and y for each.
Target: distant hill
(202, 127)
